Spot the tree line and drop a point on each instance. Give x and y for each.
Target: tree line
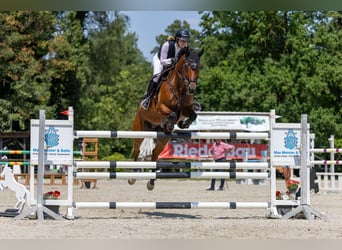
(289, 61)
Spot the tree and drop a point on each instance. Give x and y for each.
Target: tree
(287, 61)
(68, 62)
(25, 79)
(119, 74)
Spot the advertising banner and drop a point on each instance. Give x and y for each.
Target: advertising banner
(201, 150)
(243, 122)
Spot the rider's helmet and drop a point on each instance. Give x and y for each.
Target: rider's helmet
(183, 34)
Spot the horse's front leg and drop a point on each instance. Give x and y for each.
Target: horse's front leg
(187, 122)
(168, 123)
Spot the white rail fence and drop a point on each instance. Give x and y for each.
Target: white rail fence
(330, 182)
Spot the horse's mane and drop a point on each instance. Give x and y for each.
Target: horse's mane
(191, 54)
(181, 52)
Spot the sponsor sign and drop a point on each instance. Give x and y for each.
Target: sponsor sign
(286, 142)
(201, 150)
(246, 122)
(58, 142)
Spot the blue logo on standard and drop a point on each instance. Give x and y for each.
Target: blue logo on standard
(290, 139)
(51, 137)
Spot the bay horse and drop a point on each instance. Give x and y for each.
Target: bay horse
(173, 104)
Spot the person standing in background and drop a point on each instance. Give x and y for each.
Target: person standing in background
(219, 152)
(286, 174)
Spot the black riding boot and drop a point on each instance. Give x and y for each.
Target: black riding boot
(146, 98)
(150, 89)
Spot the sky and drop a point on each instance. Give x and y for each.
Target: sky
(149, 24)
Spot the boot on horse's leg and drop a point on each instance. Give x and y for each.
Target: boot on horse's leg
(150, 185)
(147, 96)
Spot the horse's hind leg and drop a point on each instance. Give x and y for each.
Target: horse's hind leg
(137, 126)
(21, 200)
(155, 154)
(136, 152)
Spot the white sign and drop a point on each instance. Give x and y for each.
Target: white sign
(286, 142)
(58, 142)
(243, 122)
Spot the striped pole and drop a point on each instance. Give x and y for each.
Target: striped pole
(171, 205)
(162, 175)
(11, 163)
(168, 165)
(15, 152)
(326, 162)
(26, 152)
(326, 150)
(163, 135)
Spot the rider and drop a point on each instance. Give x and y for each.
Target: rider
(164, 57)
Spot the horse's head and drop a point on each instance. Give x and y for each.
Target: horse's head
(190, 64)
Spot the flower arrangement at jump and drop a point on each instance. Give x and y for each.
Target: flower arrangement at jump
(292, 188)
(292, 185)
(282, 195)
(290, 193)
(51, 195)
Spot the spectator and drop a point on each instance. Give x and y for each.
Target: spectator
(219, 152)
(286, 174)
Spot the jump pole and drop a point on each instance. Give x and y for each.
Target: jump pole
(172, 205)
(174, 165)
(163, 135)
(166, 175)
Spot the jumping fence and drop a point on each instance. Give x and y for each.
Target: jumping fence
(297, 206)
(329, 180)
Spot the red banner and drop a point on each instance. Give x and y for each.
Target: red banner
(201, 150)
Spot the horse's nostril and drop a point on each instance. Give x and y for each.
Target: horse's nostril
(192, 90)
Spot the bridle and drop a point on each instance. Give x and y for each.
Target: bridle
(190, 83)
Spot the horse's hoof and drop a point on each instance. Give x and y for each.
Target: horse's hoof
(150, 186)
(170, 128)
(131, 181)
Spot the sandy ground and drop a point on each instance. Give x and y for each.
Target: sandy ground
(136, 223)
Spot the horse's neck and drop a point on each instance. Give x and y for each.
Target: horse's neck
(178, 83)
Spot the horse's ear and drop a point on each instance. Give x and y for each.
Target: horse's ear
(201, 52)
(187, 50)
(181, 52)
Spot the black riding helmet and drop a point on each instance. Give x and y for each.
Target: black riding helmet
(183, 34)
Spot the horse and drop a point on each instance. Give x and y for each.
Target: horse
(172, 104)
(22, 194)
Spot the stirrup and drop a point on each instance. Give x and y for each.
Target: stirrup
(145, 103)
